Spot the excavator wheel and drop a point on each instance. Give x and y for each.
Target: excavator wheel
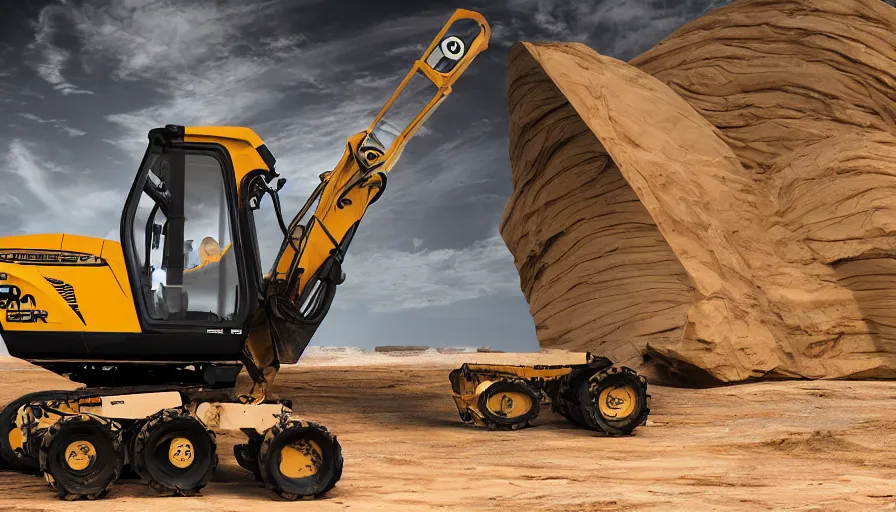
(175, 453)
(80, 456)
(509, 405)
(619, 400)
(573, 399)
(299, 459)
(11, 447)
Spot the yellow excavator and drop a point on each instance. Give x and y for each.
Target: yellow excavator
(158, 331)
(594, 394)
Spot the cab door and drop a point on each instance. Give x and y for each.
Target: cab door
(181, 237)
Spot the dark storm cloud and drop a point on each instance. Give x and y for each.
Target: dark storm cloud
(82, 82)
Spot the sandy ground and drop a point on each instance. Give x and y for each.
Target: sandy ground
(771, 446)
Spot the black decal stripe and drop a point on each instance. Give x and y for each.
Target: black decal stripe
(67, 292)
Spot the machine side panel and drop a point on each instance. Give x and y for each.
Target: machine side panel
(130, 347)
(69, 297)
(197, 346)
(51, 241)
(82, 244)
(114, 256)
(29, 302)
(44, 345)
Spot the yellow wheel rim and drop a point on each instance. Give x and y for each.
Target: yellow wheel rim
(617, 402)
(80, 455)
(300, 459)
(509, 404)
(181, 453)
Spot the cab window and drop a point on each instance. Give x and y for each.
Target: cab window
(188, 271)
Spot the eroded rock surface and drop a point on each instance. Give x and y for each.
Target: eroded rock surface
(723, 203)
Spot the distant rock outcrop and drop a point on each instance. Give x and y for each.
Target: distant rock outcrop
(723, 204)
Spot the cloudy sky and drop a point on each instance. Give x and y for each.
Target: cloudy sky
(81, 82)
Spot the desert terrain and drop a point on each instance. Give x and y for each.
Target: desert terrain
(796, 445)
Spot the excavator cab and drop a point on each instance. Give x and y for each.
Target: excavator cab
(185, 192)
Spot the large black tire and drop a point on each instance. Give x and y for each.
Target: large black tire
(23, 462)
(80, 456)
(174, 453)
(498, 418)
(619, 401)
(318, 466)
(573, 399)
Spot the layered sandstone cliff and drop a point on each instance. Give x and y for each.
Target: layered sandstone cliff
(720, 208)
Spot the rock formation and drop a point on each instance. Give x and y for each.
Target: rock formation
(722, 207)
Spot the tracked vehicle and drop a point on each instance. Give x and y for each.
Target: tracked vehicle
(594, 394)
(158, 332)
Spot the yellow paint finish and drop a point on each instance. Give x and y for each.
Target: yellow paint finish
(114, 256)
(30, 280)
(509, 404)
(617, 402)
(301, 459)
(109, 250)
(15, 438)
(103, 303)
(82, 244)
(180, 453)
(236, 133)
(317, 244)
(80, 455)
(44, 241)
(526, 372)
(238, 141)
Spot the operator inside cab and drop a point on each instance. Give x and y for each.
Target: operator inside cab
(209, 252)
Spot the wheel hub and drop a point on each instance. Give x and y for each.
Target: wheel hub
(509, 404)
(300, 459)
(617, 402)
(181, 453)
(80, 455)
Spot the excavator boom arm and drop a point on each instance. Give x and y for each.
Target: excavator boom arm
(360, 177)
(308, 267)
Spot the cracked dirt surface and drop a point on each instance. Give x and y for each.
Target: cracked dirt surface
(798, 445)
